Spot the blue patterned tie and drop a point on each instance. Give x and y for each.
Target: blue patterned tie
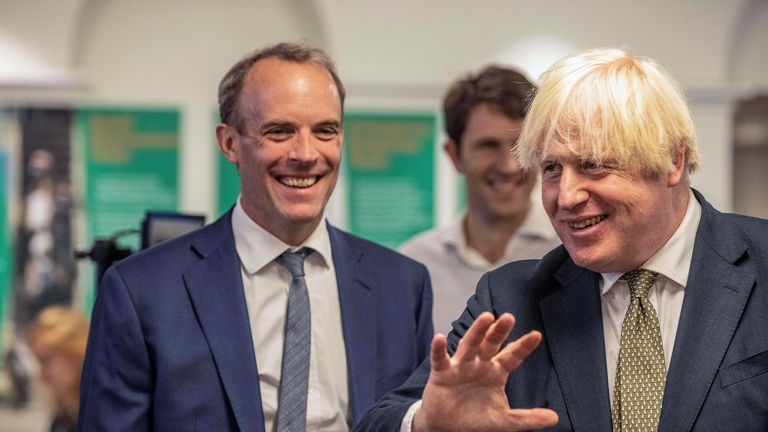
(294, 374)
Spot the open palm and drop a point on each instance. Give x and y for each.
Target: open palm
(466, 392)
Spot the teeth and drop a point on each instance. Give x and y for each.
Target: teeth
(298, 182)
(587, 222)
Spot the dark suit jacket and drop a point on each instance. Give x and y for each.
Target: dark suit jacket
(170, 345)
(718, 374)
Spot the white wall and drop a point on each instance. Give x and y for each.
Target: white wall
(174, 53)
(396, 54)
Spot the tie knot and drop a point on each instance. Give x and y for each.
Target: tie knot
(294, 261)
(640, 282)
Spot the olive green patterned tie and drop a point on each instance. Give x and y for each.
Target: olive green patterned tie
(641, 372)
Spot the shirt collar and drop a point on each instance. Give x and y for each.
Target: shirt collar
(535, 225)
(673, 260)
(257, 247)
(454, 238)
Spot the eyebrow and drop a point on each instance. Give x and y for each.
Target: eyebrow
(290, 124)
(334, 123)
(276, 123)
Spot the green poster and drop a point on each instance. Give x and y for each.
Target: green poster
(229, 183)
(130, 158)
(390, 175)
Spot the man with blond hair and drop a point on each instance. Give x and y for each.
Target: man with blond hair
(651, 316)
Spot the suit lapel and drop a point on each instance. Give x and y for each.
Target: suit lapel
(358, 315)
(715, 297)
(215, 287)
(574, 334)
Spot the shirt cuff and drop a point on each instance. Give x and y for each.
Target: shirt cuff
(407, 424)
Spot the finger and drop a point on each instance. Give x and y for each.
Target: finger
(469, 344)
(438, 355)
(495, 336)
(535, 418)
(514, 353)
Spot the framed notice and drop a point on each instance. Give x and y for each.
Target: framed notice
(390, 171)
(130, 160)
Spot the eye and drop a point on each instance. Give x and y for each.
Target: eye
(487, 144)
(326, 133)
(279, 133)
(548, 168)
(590, 166)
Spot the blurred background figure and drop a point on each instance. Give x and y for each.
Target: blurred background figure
(57, 337)
(483, 115)
(46, 262)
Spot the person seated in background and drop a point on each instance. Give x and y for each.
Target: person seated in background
(483, 116)
(57, 338)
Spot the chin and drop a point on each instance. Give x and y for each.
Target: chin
(302, 215)
(582, 258)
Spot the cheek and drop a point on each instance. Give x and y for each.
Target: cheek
(549, 194)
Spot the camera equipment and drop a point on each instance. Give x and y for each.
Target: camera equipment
(156, 228)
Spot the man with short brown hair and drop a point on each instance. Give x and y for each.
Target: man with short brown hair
(269, 318)
(483, 115)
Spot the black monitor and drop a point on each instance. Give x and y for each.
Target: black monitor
(158, 227)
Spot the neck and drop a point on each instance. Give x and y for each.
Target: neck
(490, 236)
(291, 233)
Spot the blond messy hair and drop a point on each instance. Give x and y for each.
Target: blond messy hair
(610, 104)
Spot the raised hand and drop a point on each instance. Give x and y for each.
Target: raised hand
(466, 392)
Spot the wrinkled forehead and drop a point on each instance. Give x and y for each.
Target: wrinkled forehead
(573, 139)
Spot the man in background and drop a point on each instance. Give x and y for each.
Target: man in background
(483, 117)
(651, 316)
(269, 318)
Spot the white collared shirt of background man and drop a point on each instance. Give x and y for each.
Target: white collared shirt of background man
(455, 268)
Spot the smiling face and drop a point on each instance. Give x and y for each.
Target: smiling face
(497, 188)
(608, 218)
(289, 151)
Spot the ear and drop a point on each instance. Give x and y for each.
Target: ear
(451, 148)
(678, 168)
(228, 142)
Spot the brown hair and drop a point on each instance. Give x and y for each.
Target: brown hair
(505, 89)
(231, 85)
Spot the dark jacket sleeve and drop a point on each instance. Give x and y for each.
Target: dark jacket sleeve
(388, 412)
(116, 385)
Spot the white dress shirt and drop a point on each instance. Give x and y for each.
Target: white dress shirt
(673, 263)
(455, 268)
(266, 284)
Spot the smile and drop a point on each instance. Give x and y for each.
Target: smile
(298, 182)
(587, 222)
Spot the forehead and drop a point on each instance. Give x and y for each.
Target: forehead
(274, 86)
(488, 119)
(577, 150)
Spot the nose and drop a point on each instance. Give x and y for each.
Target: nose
(303, 148)
(507, 162)
(571, 189)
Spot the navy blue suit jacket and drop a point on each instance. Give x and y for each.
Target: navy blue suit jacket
(170, 345)
(718, 374)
